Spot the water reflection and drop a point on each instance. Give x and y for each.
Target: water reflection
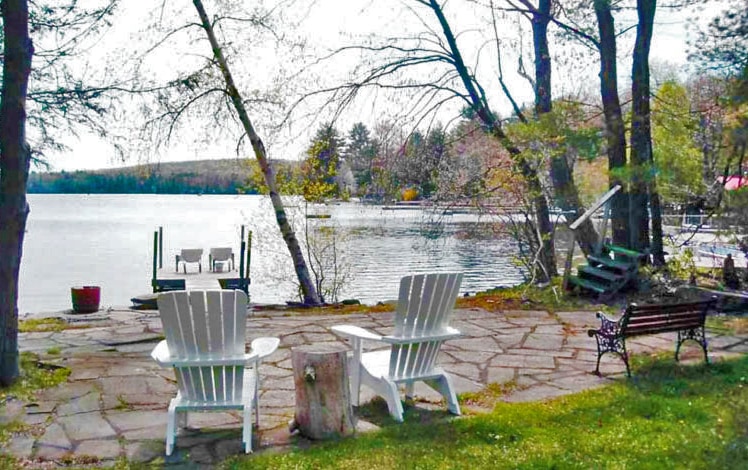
(106, 240)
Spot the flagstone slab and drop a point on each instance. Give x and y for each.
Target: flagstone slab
(85, 404)
(152, 432)
(103, 449)
(131, 420)
(535, 393)
(542, 352)
(507, 341)
(473, 344)
(543, 341)
(463, 385)
(469, 371)
(554, 329)
(124, 385)
(523, 361)
(68, 391)
(85, 426)
(500, 375)
(473, 357)
(54, 443)
(19, 447)
(474, 331)
(144, 451)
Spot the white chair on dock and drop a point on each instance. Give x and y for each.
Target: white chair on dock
(221, 255)
(424, 310)
(190, 255)
(205, 344)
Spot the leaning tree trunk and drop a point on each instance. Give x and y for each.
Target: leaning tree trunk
(546, 257)
(641, 134)
(15, 158)
(615, 131)
(307, 286)
(562, 177)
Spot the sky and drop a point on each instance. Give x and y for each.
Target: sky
(326, 24)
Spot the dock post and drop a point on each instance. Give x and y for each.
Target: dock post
(160, 247)
(155, 253)
(242, 247)
(249, 252)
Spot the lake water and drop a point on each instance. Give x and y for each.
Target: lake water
(107, 240)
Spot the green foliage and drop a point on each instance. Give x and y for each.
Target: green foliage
(321, 166)
(47, 324)
(682, 265)
(360, 153)
(289, 178)
(561, 132)
(677, 159)
(723, 45)
(34, 376)
(527, 296)
(42, 325)
(668, 416)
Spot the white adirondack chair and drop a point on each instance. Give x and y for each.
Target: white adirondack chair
(424, 310)
(205, 343)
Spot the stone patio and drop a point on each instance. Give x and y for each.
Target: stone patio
(114, 403)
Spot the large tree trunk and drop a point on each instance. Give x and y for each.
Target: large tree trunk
(307, 286)
(562, 178)
(546, 256)
(615, 131)
(641, 135)
(15, 158)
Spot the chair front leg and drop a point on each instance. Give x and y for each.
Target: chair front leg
(171, 428)
(355, 371)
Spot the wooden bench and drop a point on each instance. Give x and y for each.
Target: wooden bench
(687, 319)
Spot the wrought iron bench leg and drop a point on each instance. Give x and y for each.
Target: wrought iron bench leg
(696, 334)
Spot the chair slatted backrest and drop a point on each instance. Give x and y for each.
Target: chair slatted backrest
(191, 255)
(424, 309)
(221, 254)
(649, 319)
(206, 325)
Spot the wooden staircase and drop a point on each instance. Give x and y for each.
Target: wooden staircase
(607, 272)
(611, 267)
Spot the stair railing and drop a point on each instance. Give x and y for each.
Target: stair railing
(603, 201)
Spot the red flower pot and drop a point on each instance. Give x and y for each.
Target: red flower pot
(86, 298)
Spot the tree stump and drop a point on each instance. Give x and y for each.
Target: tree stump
(323, 397)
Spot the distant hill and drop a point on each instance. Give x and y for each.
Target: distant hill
(227, 176)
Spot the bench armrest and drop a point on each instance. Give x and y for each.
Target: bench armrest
(608, 326)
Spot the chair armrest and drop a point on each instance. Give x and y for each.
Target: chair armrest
(163, 357)
(446, 334)
(608, 326)
(356, 332)
(263, 347)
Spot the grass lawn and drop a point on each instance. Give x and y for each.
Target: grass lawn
(666, 416)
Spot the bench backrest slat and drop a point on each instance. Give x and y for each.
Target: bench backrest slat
(647, 319)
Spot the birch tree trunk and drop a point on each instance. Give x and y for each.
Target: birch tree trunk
(15, 158)
(307, 286)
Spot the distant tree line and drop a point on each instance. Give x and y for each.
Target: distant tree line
(78, 182)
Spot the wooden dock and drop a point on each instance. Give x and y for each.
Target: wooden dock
(195, 280)
(168, 277)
